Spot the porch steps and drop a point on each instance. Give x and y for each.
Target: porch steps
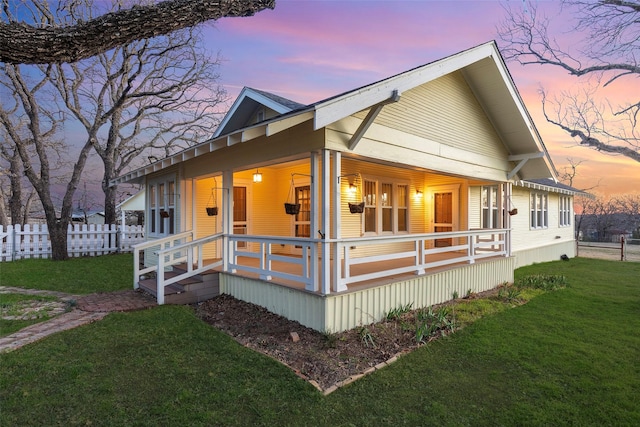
(194, 289)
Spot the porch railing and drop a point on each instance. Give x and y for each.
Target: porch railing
(267, 257)
(414, 253)
(427, 251)
(245, 246)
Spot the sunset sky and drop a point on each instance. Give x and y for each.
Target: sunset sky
(309, 50)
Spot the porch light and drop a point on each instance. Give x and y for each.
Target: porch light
(352, 188)
(418, 194)
(257, 177)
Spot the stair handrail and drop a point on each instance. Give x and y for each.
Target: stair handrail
(189, 257)
(138, 248)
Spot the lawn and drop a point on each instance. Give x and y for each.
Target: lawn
(79, 276)
(566, 357)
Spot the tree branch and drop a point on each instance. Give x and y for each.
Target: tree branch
(25, 44)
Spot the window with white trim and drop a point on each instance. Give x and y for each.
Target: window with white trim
(539, 210)
(489, 199)
(162, 207)
(386, 206)
(564, 217)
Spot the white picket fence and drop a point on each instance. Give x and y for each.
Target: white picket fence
(32, 241)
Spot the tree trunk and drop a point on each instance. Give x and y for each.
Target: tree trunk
(58, 238)
(109, 192)
(15, 199)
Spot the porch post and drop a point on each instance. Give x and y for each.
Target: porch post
(315, 198)
(326, 215)
(227, 218)
(337, 219)
(507, 187)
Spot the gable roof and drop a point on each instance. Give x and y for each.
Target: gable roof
(484, 71)
(246, 104)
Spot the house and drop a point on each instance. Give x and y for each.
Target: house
(87, 217)
(429, 183)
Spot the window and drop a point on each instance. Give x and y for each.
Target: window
(162, 207)
(564, 219)
(539, 210)
(385, 207)
(490, 207)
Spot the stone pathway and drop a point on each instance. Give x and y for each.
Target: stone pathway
(88, 309)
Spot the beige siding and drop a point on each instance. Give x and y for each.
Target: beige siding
(207, 225)
(439, 125)
(551, 252)
(447, 111)
(335, 313)
(258, 150)
(475, 207)
(525, 238)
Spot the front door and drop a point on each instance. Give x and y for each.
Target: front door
(445, 212)
(240, 219)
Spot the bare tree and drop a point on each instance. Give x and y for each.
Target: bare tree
(31, 120)
(159, 94)
(23, 43)
(606, 55)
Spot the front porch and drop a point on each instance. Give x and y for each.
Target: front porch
(359, 289)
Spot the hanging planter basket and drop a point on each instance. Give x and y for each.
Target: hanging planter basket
(164, 214)
(514, 210)
(212, 204)
(290, 207)
(356, 207)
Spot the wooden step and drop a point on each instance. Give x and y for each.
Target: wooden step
(151, 286)
(182, 268)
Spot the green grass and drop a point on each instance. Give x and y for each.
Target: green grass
(10, 306)
(75, 276)
(568, 357)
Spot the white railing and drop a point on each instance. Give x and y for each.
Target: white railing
(308, 271)
(154, 246)
(32, 241)
(189, 253)
(423, 250)
(414, 253)
(259, 255)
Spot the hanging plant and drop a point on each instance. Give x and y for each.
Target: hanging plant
(514, 210)
(212, 204)
(290, 207)
(357, 208)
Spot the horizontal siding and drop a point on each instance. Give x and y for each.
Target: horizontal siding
(525, 238)
(551, 252)
(444, 110)
(349, 310)
(475, 207)
(340, 312)
(207, 225)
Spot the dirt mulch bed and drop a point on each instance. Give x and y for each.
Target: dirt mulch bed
(328, 361)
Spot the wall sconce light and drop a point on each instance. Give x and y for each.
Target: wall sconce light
(257, 177)
(352, 188)
(418, 194)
